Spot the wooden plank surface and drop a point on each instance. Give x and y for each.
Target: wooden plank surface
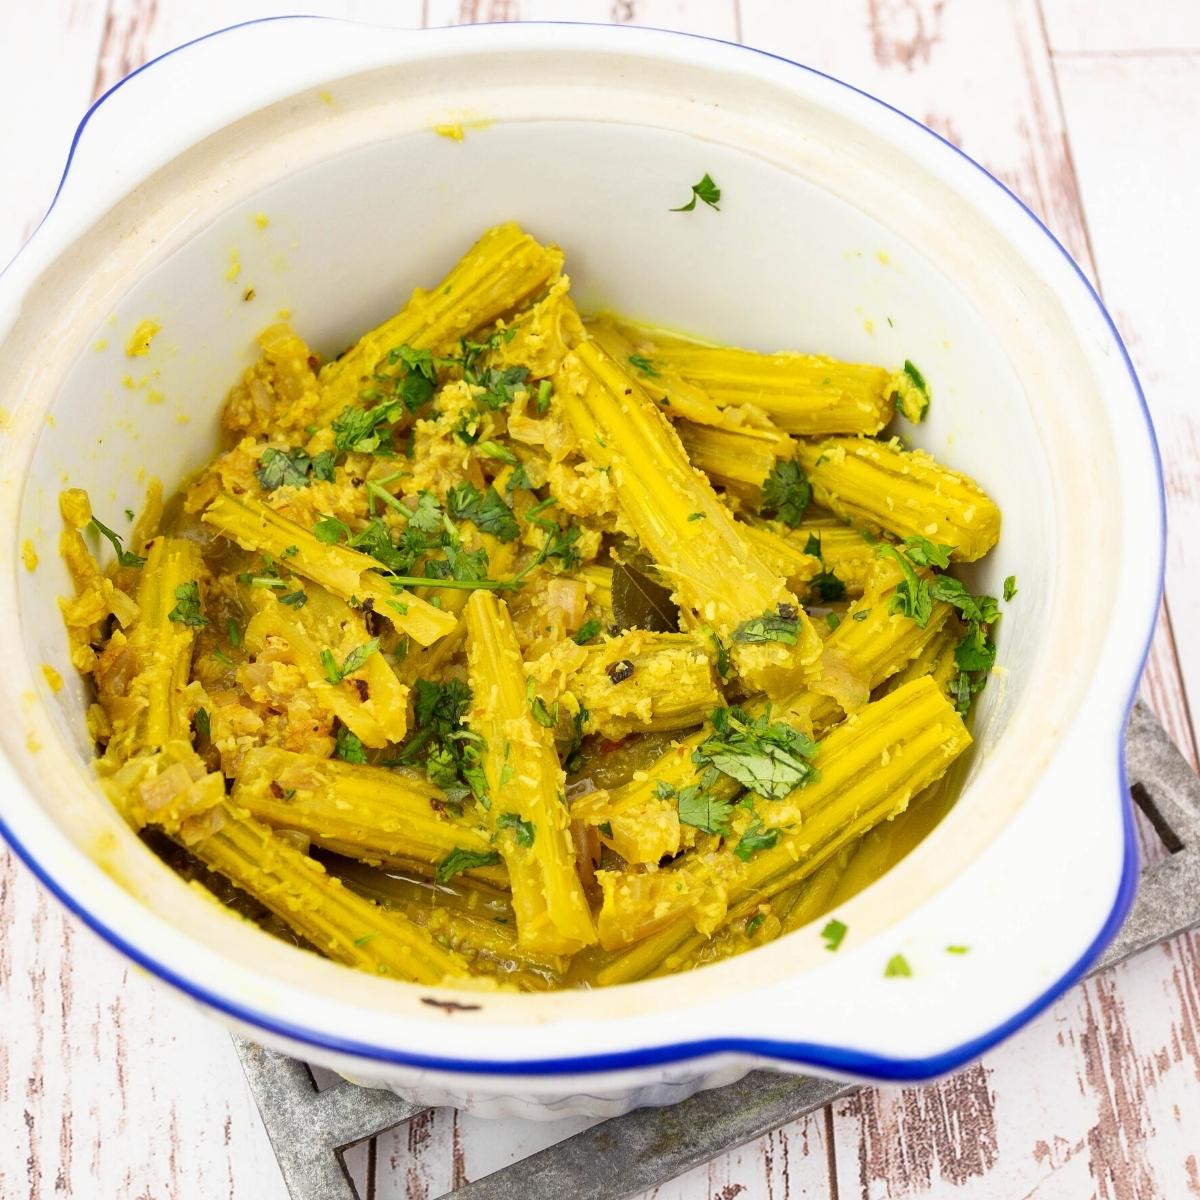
(111, 1088)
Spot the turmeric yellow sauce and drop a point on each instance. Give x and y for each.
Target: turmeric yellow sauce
(526, 649)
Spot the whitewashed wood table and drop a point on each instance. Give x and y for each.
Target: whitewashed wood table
(111, 1089)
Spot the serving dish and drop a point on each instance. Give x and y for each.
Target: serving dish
(844, 225)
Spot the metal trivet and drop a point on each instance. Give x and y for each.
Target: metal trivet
(310, 1130)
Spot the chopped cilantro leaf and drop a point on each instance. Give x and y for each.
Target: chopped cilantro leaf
(703, 810)
(542, 401)
(282, 468)
(125, 558)
(786, 493)
(770, 627)
(897, 967)
(705, 190)
(697, 516)
(518, 479)
(322, 465)
(490, 449)
(354, 661)
(723, 664)
(523, 830)
(833, 620)
(202, 724)
(500, 386)
(427, 516)
(588, 630)
(485, 510)
(827, 586)
(771, 759)
(754, 924)
(331, 530)
(644, 365)
(296, 599)
(187, 606)
(1010, 587)
(537, 706)
(348, 747)
(833, 933)
(958, 949)
(924, 553)
(756, 838)
(813, 546)
(459, 860)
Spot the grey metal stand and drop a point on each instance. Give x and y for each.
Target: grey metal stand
(309, 1130)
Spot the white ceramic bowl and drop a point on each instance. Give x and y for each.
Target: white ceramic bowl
(845, 228)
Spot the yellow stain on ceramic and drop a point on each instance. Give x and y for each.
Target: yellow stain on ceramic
(54, 681)
(100, 345)
(884, 257)
(235, 265)
(456, 130)
(261, 220)
(138, 345)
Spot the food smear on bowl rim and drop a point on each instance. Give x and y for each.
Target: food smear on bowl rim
(516, 647)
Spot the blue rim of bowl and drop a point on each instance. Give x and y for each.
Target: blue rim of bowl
(836, 1059)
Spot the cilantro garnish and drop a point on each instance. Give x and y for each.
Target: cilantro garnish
(813, 546)
(448, 751)
(523, 830)
(500, 386)
(542, 400)
(296, 599)
(485, 510)
(770, 627)
(769, 759)
(958, 949)
(644, 365)
(459, 860)
(125, 558)
(832, 620)
(912, 395)
(897, 968)
(202, 723)
(723, 664)
(833, 933)
(697, 804)
(1010, 587)
(925, 553)
(322, 465)
(348, 747)
(187, 606)
(331, 530)
(705, 190)
(283, 468)
(588, 630)
(354, 661)
(518, 479)
(757, 837)
(755, 923)
(786, 493)
(975, 654)
(697, 516)
(826, 586)
(491, 449)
